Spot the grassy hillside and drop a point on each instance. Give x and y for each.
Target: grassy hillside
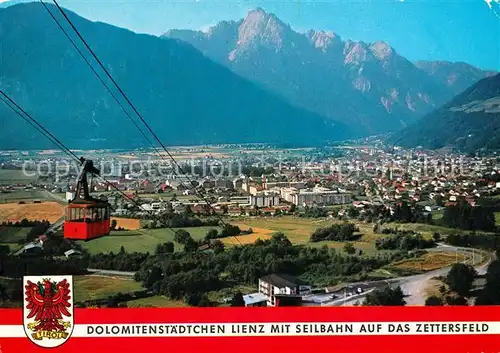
(143, 240)
(171, 83)
(471, 121)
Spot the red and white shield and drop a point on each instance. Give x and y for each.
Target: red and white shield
(48, 309)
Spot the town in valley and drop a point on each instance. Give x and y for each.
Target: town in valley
(337, 225)
(197, 154)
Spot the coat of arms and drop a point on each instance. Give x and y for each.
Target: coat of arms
(48, 309)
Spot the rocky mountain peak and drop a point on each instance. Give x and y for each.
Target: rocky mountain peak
(222, 27)
(381, 50)
(356, 52)
(261, 26)
(323, 39)
(368, 84)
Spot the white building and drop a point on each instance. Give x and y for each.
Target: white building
(264, 200)
(255, 299)
(70, 195)
(272, 285)
(240, 200)
(255, 189)
(116, 170)
(238, 183)
(283, 184)
(287, 194)
(317, 195)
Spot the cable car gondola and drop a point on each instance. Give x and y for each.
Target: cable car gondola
(86, 217)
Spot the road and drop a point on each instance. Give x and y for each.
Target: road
(348, 294)
(55, 226)
(412, 286)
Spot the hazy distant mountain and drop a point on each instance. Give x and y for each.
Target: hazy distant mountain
(455, 75)
(367, 85)
(469, 122)
(187, 98)
(7, 3)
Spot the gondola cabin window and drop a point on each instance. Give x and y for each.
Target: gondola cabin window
(86, 217)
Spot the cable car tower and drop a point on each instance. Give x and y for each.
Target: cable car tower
(86, 217)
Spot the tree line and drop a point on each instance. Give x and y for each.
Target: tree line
(402, 212)
(121, 261)
(18, 266)
(184, 274)
(37, 227)
(464, 216)
(490, 295)
(176, 220)
(11, 293)
(460, 281)
(336, 232)
(404, 240)
(24, 223)
(475, 240)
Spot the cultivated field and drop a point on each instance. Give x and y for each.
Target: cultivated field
(184, 154)
(258, 233)
(15, 176)
(244, 239)
(156, 301)
(427, 230)
(179, 155)
(298, 230)
(14, 212)
(99, 287)
(144, 240)
(368, 248)
(20, 195)
(431, 261)
(127, 223)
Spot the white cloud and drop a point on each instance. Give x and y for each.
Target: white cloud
(206, 28)
(493, 7)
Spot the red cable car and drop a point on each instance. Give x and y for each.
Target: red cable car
(86, 217)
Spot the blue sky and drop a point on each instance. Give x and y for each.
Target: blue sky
(460, 30)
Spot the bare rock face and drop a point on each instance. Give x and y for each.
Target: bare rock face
(356, 53)
(369, 86)
(261, 28)
(324, 41)
(381, 50)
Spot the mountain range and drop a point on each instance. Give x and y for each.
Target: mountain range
(368, 86)
(469, 122)
(253, 80)
(184, 96)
